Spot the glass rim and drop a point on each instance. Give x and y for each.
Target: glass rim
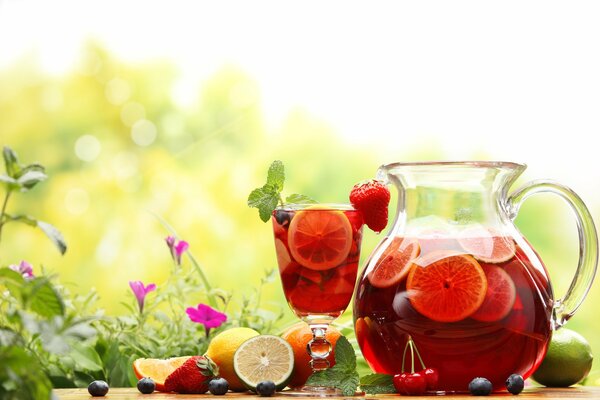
(477, 164)
(316, 207)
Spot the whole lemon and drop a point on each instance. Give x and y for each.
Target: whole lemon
(221, 350)
(568, 360)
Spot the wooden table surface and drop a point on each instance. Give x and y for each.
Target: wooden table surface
(580, 392)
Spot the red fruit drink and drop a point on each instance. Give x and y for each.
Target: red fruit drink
(318, 251)
(469, 303)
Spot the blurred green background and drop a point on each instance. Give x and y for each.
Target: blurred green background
(119, 149)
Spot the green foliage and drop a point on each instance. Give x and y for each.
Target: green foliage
(24, 178)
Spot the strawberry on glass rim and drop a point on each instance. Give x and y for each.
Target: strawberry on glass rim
(372, 198)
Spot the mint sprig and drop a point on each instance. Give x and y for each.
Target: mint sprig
(343, 374)
(268, 197)
(377, 384)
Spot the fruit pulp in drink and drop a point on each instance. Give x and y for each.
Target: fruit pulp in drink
(318, 250)
(474, 306)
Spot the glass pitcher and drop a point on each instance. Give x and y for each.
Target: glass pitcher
(455, 275)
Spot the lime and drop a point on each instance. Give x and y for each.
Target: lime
(264, 358)
(221, 350)
(568, 360)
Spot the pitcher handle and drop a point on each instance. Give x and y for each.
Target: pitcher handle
(565, 307)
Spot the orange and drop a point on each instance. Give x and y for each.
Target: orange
(499, 297)
(298, 336)
(320, 239)
(157, 369)
(447, 290)
(394, 263)
(487, 244)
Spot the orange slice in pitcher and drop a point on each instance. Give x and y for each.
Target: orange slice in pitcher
(500, 295)
(320, 239)
(447, 290)
(394, 263)
(487, 244)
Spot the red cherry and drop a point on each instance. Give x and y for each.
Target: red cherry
(415, 384)
(398, 381)
(431, 377)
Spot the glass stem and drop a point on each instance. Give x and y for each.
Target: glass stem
(319, 347)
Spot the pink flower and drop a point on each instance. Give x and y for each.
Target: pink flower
(206, 315)
(140, 291)
(177, 248)
(24, 268)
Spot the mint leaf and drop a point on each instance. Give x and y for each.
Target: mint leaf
(299, 199)
(265, 199)
(345, 356)
(343, 374)
(377, 384)
(276, 175)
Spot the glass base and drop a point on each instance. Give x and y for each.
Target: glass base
(316, 391)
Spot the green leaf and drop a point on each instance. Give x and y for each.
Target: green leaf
(276, 175)
(265, 199)
(86, 357)
(7, 179)
(377, 384)
(343, 374)
(299, 199)
(43, 299)
(13, 281)
(11, 162)
(31, 178)
(344, 354)
(54, 235)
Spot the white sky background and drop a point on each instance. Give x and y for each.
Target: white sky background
(513, 80)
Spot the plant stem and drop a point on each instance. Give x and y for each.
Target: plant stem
(404, 354)
(209, 294)
(6, 197)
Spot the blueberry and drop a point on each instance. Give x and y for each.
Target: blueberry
(480, 387)
(515, 384)
(218, 386)
(98, 388)
(283, 217)
(146, 385)
(265, 388)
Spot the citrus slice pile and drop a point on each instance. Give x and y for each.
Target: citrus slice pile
(157, 369)
(487, 244)
(500, 295)
(447, 290)
(394, 264)
(264, 358)
(320, 239)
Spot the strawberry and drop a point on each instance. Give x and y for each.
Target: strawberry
(372, 198)
(193, 376)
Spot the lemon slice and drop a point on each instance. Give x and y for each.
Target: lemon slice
(264, 358)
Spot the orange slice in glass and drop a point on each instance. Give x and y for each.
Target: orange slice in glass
(157, 369)
(394, 264)
(320, 239)
(447, 290)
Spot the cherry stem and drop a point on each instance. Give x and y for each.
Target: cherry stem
(419, 355)
(412, 356)
(404, 354)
